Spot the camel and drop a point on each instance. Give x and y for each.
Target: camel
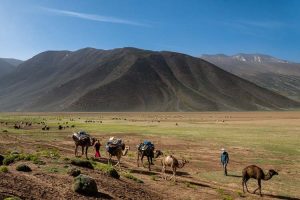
(118, 151)
(257, 173)
(149, 153)
(172, 162)
(84, 142)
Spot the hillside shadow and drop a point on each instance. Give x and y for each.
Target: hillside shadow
(281, 197)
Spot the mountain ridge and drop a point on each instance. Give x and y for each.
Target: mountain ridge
(129, 79)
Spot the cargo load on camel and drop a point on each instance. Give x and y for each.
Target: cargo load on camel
(114, 143)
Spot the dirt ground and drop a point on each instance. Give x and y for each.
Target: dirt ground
(267, 139)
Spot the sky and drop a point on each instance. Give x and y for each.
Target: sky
(194, 27)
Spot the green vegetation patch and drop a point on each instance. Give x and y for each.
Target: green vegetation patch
(108, 169)
(130, 176)
(3, 169)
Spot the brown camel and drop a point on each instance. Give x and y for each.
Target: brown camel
(257, 173)
(172, 162)
(118, 151)
(84, 142)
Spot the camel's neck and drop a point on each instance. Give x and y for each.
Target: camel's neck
(181, 164)
(268, 176)
(125, 152)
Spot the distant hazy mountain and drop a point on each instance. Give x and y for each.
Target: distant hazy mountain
(12, 61)
(266, 71)
(5, 67)
(129, 79)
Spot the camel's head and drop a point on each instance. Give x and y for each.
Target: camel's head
(272, 172)
(93, 141)
(158, 153)
(184, 161)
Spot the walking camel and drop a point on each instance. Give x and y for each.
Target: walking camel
(84, 142)
(172, 162)
(149, 153)
(257, 173)
(118, 151)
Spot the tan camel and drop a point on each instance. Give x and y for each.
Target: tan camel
(172, 162)
(84, 143)
(118, 151)
(257, 173)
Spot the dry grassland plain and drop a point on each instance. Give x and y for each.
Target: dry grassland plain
(266, 139)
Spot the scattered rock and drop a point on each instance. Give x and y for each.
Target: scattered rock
(23, 168)
(85, 185)
(74, 172)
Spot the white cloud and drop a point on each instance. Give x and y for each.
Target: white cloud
(93, 17)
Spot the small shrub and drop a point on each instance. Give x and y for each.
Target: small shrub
(130, 176)
(38, 162)
(23, 168)
(74, 172)
(12, 198)
(85, 185)
(9, 159)
(108, 169)
(3, 169)
(82, 163)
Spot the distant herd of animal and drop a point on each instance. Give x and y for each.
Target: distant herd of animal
(116, 147)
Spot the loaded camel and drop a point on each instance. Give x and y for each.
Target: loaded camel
(118, 151)
(84, 142)
(257, 173)
(172, 162)
(149, 153)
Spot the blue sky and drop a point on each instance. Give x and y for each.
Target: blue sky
(193, 27)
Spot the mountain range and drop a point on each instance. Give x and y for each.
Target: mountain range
(130, 79)
(278, 75)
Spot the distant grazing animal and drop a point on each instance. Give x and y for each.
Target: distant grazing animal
(172, 162)
(149, 153)
(84, 142)
(255, 172)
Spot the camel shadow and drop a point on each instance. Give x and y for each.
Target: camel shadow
(281, 197)
(232, 175)
(198, 184)
(138, 171)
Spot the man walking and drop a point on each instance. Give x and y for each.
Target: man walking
(224, 160)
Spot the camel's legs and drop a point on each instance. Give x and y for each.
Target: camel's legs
(164, 172)
(244, 182)
(86, 150)
(148, 158)
(174, 174)
(259, 187)
(82, 150)
(76, 146)
(138, 159)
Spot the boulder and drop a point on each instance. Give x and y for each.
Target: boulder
(85, 185)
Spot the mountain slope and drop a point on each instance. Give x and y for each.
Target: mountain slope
(129, 79)
(277, 75)
(5, 67)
